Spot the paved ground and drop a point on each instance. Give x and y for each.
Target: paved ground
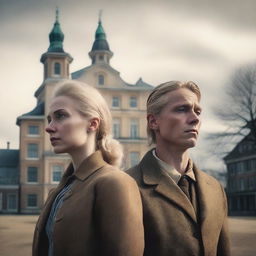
(16, 233)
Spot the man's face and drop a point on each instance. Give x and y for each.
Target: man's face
(178, 123)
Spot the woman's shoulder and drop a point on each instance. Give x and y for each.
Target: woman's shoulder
(112, 175)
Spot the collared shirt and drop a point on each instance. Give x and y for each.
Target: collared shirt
(54, 210)
(172, 172)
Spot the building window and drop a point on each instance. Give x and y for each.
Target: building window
(12, 202)
(101, 80)
(32, 150)
(32, 174)
(116, 128)
(134, 158)
(57, 171)
(134, 129)
(57, 67)
(101, 57)
(32, 200)
(116, 102)
(33, 130)
(133, 102)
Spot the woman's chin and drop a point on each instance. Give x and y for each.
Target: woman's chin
(58, 150)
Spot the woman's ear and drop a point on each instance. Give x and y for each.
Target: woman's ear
(152, 122)
(94, 124)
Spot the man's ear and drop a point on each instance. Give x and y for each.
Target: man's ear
(152, 122)
(94, 124)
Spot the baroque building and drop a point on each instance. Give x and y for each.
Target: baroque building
(241, 178)
(40, 168)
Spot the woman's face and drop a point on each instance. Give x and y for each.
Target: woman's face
(66, 126)
(178, 123)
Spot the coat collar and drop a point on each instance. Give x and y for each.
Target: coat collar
(163, 184)
(89, 165)
(209, 195)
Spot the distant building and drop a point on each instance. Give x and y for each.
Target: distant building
(219, 175)
(9, 180)
(241, 178)
(40, 168)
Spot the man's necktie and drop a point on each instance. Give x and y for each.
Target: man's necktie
(184, 185)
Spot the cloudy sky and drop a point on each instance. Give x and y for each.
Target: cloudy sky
(158, 40)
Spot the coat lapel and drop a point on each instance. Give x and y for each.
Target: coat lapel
(164, 185)
(87, 168)
(210, 199)
(90, 165)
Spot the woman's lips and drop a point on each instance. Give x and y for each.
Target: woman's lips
(54, 140)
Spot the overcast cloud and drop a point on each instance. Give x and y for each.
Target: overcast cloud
(199, 40)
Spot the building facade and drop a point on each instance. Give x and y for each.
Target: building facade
(9, 180)
(241, 178)
(40, 168)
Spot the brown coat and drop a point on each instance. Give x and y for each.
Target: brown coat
(170, 224)
(101, 215)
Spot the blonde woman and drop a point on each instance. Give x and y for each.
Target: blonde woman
(96, 208)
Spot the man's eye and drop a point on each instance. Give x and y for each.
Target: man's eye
(181, 109)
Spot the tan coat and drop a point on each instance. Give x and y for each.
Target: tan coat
(101, 215)
(170, 224)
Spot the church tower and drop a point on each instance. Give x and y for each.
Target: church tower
(100, 52)
(126, 101)
(40, 168)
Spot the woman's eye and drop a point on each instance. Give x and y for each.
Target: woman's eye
(60, 116)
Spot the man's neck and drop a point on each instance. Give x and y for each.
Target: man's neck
(177, 159)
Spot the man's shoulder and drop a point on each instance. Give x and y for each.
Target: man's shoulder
(202, 175)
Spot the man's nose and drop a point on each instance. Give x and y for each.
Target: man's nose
(195, 118)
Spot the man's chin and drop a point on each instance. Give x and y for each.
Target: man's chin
(191, 143)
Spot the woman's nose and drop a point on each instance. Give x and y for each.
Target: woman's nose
(50, 128)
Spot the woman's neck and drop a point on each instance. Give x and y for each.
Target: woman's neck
(80, 154)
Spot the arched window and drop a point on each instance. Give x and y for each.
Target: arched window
(101, 80)
(56, 68)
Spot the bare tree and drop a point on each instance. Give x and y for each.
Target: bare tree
(238, 112)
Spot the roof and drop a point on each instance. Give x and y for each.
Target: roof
(56, 37)
(246, 147)
(38, 111)
(9, 157)
(100, 42)
(9, 166)
(141, 84)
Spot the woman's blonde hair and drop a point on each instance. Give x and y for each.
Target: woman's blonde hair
(90, 104)
(158, 99)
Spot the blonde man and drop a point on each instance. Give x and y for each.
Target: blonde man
(184, 209)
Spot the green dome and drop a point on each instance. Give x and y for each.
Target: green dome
(100, 42)
(56, 37)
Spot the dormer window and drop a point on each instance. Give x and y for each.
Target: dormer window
(101, 80)
(57, 68)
